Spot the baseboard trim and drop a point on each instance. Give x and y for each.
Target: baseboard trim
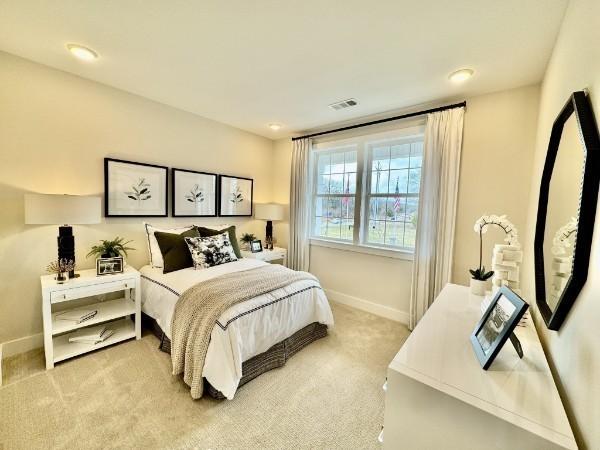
(368, 306)
(22, 345)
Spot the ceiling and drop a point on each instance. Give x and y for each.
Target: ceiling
(251, 63)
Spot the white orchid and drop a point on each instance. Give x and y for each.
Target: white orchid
(562, 239)
(512, 234)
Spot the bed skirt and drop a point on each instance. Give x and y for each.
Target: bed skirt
(274, 357)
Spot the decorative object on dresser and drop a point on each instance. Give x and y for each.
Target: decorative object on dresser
(110, 255)
(114, 314)
(246, 240)
(505, 269)
(61, 268)
(194, 194)
(497, 325)
(269, 212)
(270, 256)
(133, 189)
(48, 209)
(256, 246)
(235, 196)
(568, 199)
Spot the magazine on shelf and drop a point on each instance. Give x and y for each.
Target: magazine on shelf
(77, 315)
(91, 335)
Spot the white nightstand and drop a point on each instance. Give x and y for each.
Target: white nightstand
(88, 284)
(277, 254)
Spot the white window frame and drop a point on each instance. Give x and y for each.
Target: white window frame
(362, 195)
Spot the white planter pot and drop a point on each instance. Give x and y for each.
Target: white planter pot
(478, 287)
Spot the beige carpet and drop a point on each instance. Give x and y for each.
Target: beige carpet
(327, 396)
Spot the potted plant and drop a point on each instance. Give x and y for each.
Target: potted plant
(479, 275)
(246, 239)
(110, 248)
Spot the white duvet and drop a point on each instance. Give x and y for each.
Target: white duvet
(244, 330)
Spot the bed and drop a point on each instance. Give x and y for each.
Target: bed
(250, 337)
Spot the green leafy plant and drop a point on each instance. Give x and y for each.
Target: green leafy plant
(111, 248)
(481, 274)
(247, 238)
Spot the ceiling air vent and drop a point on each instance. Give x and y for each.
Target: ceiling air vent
(343, 104)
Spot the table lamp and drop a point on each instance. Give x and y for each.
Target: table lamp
(49, 209)
(269, 212)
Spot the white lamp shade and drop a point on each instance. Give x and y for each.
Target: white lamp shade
(268, 211)
(46, 209)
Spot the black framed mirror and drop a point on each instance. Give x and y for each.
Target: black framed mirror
(566, 210)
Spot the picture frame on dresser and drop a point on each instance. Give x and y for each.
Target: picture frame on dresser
(235, 196)
(193, 193)
(134, 189)
(497, 325)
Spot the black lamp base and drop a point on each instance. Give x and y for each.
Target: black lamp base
(269, 235)
(66, 246)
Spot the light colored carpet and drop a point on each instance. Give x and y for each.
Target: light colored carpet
(327, 396)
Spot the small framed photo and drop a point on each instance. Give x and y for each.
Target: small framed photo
(256, 246)
(133, 189)
(109, 266)
(235, 196)
(496, 325)
(194, 194)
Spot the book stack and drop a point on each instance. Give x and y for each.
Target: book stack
(77, 315)
(91, 335)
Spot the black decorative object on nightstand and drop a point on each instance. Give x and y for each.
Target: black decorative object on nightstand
(66, 246)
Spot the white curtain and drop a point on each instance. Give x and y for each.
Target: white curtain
(300, 208)
(437, 209)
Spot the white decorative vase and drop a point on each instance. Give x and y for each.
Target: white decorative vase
(478, 287)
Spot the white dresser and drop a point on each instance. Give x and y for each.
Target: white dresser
(438, 397)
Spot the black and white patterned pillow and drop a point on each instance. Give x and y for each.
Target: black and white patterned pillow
(211, 251)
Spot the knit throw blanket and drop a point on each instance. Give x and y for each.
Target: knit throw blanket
(199, 308)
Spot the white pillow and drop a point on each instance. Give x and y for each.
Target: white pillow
(156, 259)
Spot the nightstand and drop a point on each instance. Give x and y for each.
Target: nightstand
(277, 254)
(117, 312)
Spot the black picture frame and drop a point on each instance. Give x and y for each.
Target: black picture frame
(174, 192)
(109, 266)
(107, 188)
(256, 246)
(223, 193)
(580, 105)
(487, 358)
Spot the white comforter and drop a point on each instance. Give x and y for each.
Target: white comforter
(244, 330)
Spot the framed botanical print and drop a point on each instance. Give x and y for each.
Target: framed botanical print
(194, 194)
(235, 196)
(133, 189)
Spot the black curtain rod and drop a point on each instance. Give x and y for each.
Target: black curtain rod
(389, 119)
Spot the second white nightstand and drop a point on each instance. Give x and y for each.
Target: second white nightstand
(277, 254)
(116, 312)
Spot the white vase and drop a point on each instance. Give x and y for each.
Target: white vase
(478, 287)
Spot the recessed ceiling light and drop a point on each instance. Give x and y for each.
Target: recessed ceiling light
(81, 52)
(275, 126)
(461, 75)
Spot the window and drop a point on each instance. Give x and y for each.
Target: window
(366, 190)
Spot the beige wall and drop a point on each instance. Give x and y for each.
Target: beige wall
(55, 130)
(574, 349)
(495, 170)
(497, 156)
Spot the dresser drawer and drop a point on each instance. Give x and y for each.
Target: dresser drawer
(88, 291)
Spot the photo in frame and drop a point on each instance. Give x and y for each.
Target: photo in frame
(133, 189)
(109, 266)
(497, 325)
(194, 194)
(235, 196)
(256, 246)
